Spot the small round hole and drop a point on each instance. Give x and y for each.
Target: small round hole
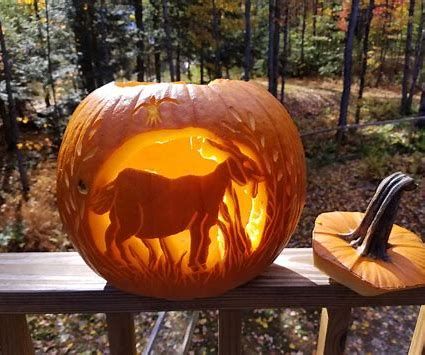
(82, 188)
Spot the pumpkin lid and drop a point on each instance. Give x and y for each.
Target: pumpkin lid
(366, 251)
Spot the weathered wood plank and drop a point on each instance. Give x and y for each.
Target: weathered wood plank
(334, 323)
(15, 337)
(121, 333)
(229, 332)
(62, 282)
(417, 346)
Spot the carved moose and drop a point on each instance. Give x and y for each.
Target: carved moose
(149, 206)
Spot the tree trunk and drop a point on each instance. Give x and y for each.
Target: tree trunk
(40, 39)
(81, 26)
(276, 43)
(400, 47)
(9, 133)
(201, 67)
(382, 63)
(105, 73)
(363, 70)
(270, 54)
(57, 115)
(157, 63)
(90, 9)
(177, 19)
(178, 63)
(419, 59)
(285, 54)
(179, 41)
(140, 61)
(422, 103)
(421, 113)
(404, 109)
(10, 124)
(157, 45)
(315, 17)
(303, 30)
(273, 53)
(216, 36)
(248, 35)
(384, 43)
(168, 40)
(189, 72)
(348, 63)
(148, 67)
(38, 21)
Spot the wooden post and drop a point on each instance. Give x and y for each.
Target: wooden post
(334, 324)
(229, 332)
(15, 337)
(121, 333)
(417, 346)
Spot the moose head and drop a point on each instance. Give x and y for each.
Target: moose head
(242, 169)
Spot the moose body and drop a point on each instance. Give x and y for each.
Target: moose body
(149, 206)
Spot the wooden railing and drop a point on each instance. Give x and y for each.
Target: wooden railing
(63, 283)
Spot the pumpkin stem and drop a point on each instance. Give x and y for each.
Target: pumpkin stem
(371, 236)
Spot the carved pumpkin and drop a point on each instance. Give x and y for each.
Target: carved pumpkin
(367, 252)
(180, 190)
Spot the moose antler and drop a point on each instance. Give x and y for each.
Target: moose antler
(228, 147)
(244, 161)
(235, 152)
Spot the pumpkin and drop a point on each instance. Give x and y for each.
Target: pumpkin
(367, 252)
(180, 191)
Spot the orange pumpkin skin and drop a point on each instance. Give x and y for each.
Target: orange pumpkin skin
(180, 191)
(335, 256)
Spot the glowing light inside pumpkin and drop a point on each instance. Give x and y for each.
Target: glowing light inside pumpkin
(173, 154)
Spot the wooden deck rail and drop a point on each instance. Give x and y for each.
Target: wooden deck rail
(63, 283)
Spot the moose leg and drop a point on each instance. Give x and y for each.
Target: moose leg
(166, 251)
(205, 241)
(111, 232)
(129, 221)
(152, 253)
(124, 233)
(120, 245)
(195, 243)
(109, 238)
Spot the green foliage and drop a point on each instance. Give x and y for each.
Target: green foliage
(390, 139)
(375, 164)
(12, 234)
(27, 50)
(26, 42)
(376, 146)
(323, 53)
(377, 109)
(383, 146)
(324, 152)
